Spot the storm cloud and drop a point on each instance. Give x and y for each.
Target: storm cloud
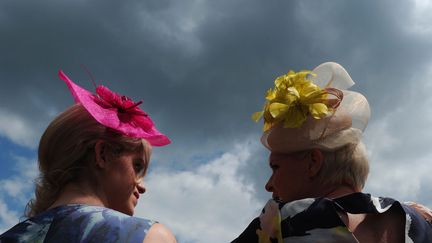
(201, 68)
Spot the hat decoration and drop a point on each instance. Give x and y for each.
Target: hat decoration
(117, 112)
(313, 109)
(294, 98)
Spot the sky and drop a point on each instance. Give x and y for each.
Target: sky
(201, 68)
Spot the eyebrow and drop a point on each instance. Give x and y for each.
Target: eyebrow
(276, 157)
(295, 155)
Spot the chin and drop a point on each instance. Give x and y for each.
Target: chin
(130, 212)
(288, 199)
(126, 209)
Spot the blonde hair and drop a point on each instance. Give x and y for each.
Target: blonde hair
(346, 165)
(66, 150)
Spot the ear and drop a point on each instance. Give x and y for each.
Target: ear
(100, 154)
(315, 163)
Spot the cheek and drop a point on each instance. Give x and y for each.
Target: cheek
(288, 179)
(122, 179)
(282, 180)
(128, 179)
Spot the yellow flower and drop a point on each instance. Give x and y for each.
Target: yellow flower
(263, 237)
(292, 100)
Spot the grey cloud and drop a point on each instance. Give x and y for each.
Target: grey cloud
(201, 67)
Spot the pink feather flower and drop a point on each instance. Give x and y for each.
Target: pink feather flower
(117, 112)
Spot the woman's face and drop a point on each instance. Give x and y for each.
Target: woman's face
(123, 180)
(289, 179)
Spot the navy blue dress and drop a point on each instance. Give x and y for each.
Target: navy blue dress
(79, 223)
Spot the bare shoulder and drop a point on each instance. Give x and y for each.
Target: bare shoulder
(422, 210)
(158, 233)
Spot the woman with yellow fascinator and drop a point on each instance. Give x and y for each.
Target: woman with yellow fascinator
(313, 128)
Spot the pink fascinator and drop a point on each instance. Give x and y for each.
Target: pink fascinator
(117, 112)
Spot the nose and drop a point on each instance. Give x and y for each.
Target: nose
(269, 184)
(141, 188)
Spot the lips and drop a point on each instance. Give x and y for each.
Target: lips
(276, 197)
(136, 196)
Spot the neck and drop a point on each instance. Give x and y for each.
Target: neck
(78, 194)
(339, 191)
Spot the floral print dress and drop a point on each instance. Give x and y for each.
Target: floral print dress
(79, 223)
(318, 220)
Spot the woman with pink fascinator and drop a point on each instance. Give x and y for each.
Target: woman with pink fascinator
(313, 127)
(92, 160)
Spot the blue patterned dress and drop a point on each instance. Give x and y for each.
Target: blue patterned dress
(79, 223)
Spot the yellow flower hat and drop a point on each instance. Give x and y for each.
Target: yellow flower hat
(313, 109)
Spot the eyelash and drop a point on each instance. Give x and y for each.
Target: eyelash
(138, 167)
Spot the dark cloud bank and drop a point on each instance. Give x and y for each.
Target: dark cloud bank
(201, 67)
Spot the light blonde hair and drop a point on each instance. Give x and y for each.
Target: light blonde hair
(66, 150)
(346, 165)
